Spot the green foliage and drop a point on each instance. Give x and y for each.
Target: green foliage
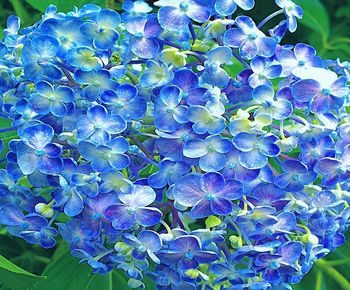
(64, 272)
(315, 17)
(62, 5)
(14, 277)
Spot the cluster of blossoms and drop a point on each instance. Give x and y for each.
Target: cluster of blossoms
(140, 147)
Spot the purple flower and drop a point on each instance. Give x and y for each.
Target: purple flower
(133, 208)
(207, 194)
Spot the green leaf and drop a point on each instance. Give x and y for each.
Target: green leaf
(65, 272)
(212, 221)
(14, 277)
(63, 5)
(315, 17)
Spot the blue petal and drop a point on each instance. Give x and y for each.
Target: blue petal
(106, 39)
(221, 206)
(225, 7)
(173, 19)
(147, 217)
(234, 37)
(170, 96)
(74, 204)
(120, 217)
(145, 48)
(195, 148)
(49, 165)
(119, 161)
(253, 159)
(305, 90)
(244, 141)
(108, 18)
(97, 114)
(11, 215)
(141, 196)
(87, 150)
(118, 145)
(187, 191)
(46, 45)
(201, 209)
(37, 136)
(26, 158)
(151, 240)
(212, 161)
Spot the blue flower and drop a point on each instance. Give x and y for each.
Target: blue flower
(249, 39)
(38, 58)
(96, 82)
(156, 74)
(233, 169)
(13, 24)
(133, 208)
(275, 264)
(213, 73)
(36, 152)
(98, 125)
(66, 32)
(168, 112)
(292, 11)
(187, 252)
(263, 71)
(32, 227)
(207, 194)
(187, 81)
(144, 31)
(228, 7)
(169, 172)
(146, 243)
(138, 7)
(106, 157)
(84, 58)
(49, 99)
(68, 198)
(205, 121)
(332, 169)
(210, 151)
(302, 55)
(175, 15)
(278, 109)
(316, 149)
(102, 32)
(86, 183)
(296, 175)
(255, 150)
(124, 101)
(171, 144)
(115, 181)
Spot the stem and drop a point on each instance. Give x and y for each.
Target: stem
(69, 76)
(193, 33)
(262, 23)
(168, 229)
(241, 60)
(332, 272)
(142, 147)
(201, 58)
(132, 77)
(2, 130)
(169, 43)
(300, 120)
